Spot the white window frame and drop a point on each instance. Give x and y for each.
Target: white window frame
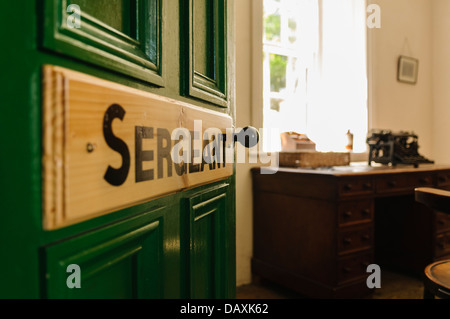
(257, 106)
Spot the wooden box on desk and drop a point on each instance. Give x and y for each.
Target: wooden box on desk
(313, 159)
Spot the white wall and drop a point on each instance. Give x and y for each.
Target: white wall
(244, 207)
(441, 80)
(405, 30)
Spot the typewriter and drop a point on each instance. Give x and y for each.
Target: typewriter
(386, 147)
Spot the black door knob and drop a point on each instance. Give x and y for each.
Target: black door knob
(248, 137)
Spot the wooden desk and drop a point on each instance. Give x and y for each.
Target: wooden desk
(317, 230)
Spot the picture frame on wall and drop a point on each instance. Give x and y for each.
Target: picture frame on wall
(408, 70)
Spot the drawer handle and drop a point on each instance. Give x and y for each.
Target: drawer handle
(366, 212)
(366, 237)
(423, 180)
(442, 179)
(348, 214)
(347, 241)
(441, 222)
(348, 187)
(347, 270)
(367, 186)
(392, 183)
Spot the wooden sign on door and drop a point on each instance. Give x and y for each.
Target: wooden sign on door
(108, 147)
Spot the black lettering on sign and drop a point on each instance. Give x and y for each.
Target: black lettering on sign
(224, 149)
(142, 132)
(164, 152)
(207, 154)
(181, 168)
(116, 176)
(217, 149)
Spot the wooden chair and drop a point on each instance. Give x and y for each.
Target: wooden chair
(437, 275)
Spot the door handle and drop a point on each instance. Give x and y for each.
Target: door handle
(247, 137)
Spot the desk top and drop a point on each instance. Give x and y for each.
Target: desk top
(361, 169)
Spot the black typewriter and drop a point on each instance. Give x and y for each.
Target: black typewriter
(387, 147)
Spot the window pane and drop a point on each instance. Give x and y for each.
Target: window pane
(275, 104)
(272, 26)
(292, 23)
(296, 73)
(278, 65)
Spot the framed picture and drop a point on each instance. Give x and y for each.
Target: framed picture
(408, 69)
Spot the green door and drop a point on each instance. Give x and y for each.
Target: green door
(179, 246)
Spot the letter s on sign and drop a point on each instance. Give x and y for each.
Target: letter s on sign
(116, 176)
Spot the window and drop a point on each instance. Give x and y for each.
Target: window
(314, 66)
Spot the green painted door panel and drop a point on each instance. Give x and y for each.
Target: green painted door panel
(208, 225)
(203, 39)
(123, 260)
(113, 282)
(142, 251)
(205, 43)
(123, 36)
(118, 14)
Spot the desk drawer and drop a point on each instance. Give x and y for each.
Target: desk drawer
(442, 245)
(442, 222)
(355, 186)
(354, 267)
(393, 183)
(422, 180)
(355, 212)
(403, 182)
(443, 178)
(355, 238)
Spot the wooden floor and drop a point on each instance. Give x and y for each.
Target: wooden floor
(393, 286)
